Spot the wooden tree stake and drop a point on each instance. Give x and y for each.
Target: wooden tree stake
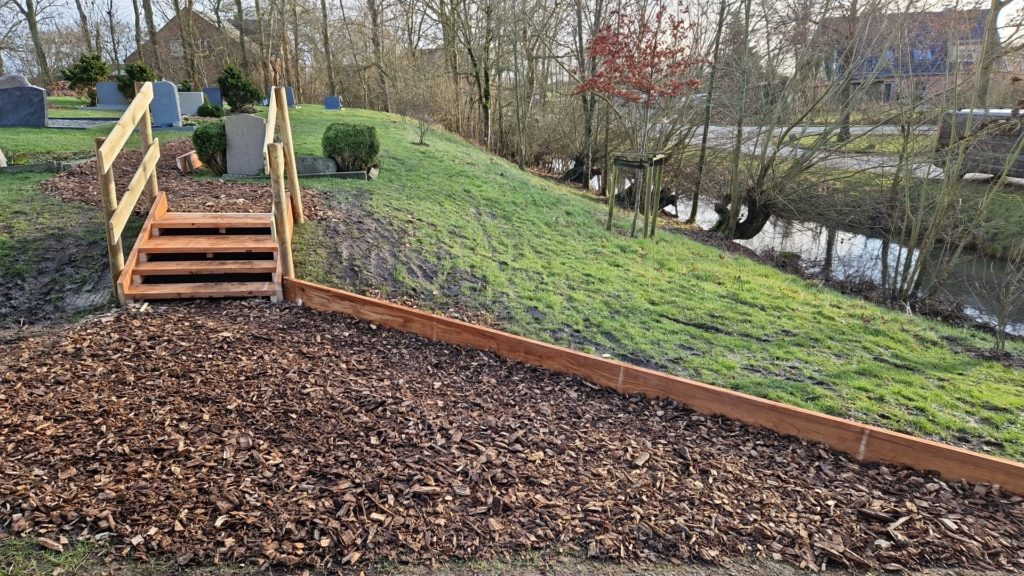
(275, 156)
(289, 151)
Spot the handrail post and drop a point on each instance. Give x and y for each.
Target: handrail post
(289, 151)
(146, 132)
(108, 197)
(275, 156)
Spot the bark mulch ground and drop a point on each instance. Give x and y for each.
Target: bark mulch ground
(245, 431)
(184, 193)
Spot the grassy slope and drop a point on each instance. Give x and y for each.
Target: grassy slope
(549, 270)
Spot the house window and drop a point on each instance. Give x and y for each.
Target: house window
(922, 54)
(176, 49)
(205, 46)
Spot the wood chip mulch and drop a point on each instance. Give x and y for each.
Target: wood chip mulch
(184, 193)
(246, 431)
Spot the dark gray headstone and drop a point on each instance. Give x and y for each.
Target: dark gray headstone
(23, 106)
(332, 103)
(108, 96)
(13, 81)
(212, 94)
(315, 165)
(289, 96)
(190, 102)
(245, 134)
(165, 107)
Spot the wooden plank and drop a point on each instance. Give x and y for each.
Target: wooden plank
(209, 244)
(214, 220)
(188, 267)
(125, 126)
(131, 196)
(202, 290)
(124, 281)
(268, 135)
(863, 442)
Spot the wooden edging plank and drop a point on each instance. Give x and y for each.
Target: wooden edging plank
(864, 442)
(138, 183)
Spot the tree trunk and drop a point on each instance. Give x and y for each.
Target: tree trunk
(137, 12)
(147, 10)
(702, 159)
(332, 89)
(734, 204)
(989, 52)
(296, 69)
(84, 24)
(758, 214)
(28, 10)
(846, 88)
(376, 38)
(115, 46)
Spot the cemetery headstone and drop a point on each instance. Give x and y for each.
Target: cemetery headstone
(13, 81)
(23, 106)
(306, 165)
(332, 103)
(289, 96)
(165, 107)
(108, 96)
(190, 102)
(245, 134)
(3, 160)
(212, 94)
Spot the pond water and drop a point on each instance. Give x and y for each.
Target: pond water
(859, 257)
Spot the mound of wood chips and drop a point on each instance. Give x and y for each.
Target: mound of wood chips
(245, 431)
(184, 193)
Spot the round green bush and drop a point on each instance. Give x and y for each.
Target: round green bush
(134, 72)
(83, 75)
(208, 110)
(237, 89)
(354, 146)
(211, 143)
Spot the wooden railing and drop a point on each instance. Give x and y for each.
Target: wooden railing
(282, 212)
(277, 117)
(116, 212)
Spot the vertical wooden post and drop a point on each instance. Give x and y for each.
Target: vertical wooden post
(644, 194)
(658, 172)
(146, 132)
(289, 152)
(275, 155)
(108, 196)
(613, 185)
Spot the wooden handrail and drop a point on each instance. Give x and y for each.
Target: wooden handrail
(277, 117)
(281, 209)
(115, 212)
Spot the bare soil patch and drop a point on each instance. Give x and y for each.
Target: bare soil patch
(184, 193)
(245, 431)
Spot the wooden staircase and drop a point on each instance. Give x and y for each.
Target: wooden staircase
(197, 254)
(202, 255)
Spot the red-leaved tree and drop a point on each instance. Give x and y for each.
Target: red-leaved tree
(644, 55)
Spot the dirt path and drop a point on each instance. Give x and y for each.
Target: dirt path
(252, 432)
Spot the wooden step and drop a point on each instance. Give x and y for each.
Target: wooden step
(213, 220)
(205, 267)
(201, 290)
(208, 244)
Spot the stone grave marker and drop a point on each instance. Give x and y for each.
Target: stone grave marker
(13, 81)
(190, 102)
(245, 134)
(165, 107)
(108, 96)
(332, 103)
(23, 107)
(212, 94)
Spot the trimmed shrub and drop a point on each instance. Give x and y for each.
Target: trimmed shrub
(208, 110)
(134, 72)
(354, 146)
(211, 143)
(186, 86)
(238, 90)
(83, 75)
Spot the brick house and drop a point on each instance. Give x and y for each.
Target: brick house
(191, 33)
(928, 53)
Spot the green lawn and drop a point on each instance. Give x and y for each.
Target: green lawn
(539, 263)
(875, 143)
(30, 145)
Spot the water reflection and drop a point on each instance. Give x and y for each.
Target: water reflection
(858, 257)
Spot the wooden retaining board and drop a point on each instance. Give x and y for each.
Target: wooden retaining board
(864, 442)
